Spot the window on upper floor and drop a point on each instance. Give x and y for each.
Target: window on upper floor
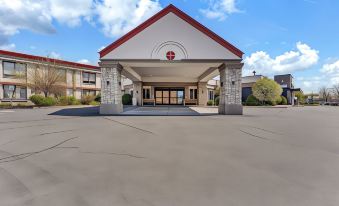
(12, 69)
(88, 78)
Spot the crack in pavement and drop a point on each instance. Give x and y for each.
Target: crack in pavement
(103, 153)
(13, 158)
(265, 130)
(56, 132)
(128, 125)
(113, 153)
(36, 120)
(38, 125)
(253, 135)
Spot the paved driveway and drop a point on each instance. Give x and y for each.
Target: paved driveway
(266, 157)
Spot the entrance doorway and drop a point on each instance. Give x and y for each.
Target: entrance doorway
(169, 96)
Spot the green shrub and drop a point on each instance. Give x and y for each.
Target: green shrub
(252, 101)
(43, 101)
(272, 103)
(126, 99)
(210, 103)
(37, 99)
(283, 100)
(216, 101)
(98, 98)
(49, 101)
(63, 101)
(94, 103)
(5, 105)
(278, 100)
(87, 99)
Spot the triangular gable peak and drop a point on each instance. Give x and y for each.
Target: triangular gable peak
(173, 35)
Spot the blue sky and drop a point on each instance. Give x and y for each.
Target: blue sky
(280, 36)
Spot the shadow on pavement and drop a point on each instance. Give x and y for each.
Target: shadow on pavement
(81, 112)
(130, 111)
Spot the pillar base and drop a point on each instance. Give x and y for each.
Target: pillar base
(230, 109)
(107, 109)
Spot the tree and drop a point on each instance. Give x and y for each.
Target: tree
(266, 90)
(336, 91)
(301, 97)
(324, 93)
(47, 78)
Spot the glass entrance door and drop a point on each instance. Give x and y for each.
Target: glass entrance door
(169, 96)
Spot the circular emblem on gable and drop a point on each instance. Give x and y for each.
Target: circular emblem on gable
(170, 55)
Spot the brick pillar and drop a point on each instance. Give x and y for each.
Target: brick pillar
(111, 102)
(202, 93)
(230, 89)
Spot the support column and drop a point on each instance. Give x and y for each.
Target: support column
(202, 94)
(230, 89)
(111, 102)
(137, 92)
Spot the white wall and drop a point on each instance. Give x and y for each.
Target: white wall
(187, 42)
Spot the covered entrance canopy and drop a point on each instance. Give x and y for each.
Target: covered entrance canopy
(170, 59)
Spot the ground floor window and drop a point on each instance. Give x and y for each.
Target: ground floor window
(70, 92)
(87, 92)
(146, 93)
(14, 92)
(193, 93)
(210, 95)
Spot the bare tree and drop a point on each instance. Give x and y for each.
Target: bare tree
(325, 94)
(47, 78)
(336, 91)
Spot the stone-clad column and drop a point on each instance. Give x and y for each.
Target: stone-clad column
(111, 102)
(230, 86)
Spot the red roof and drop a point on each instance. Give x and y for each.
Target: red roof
(45, 59)
(183, 16)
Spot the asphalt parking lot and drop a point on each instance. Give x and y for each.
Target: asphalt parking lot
(267, 157)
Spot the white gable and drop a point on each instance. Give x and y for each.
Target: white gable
(170, 33)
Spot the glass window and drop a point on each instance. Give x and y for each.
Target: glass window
(12, 68)
(147, 93)
(92, 78)
(88, 78)
(9, 69)
(87, 92)
(70, 92)
(20, 68)
(211, 95)
(14, 92)
(193, 93)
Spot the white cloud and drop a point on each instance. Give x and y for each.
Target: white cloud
(54, 55)
(101, 48)
(220, 9)
(332, 72)
(71, 12)
(37, 15)
(7, 46)
(118, 17)
(303, 58)
(84, 61)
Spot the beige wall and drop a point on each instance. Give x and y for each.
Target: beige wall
(73, 78)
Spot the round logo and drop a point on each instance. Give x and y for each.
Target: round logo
(170, 55)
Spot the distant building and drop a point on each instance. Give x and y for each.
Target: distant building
(247, 84)
(286, 81)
